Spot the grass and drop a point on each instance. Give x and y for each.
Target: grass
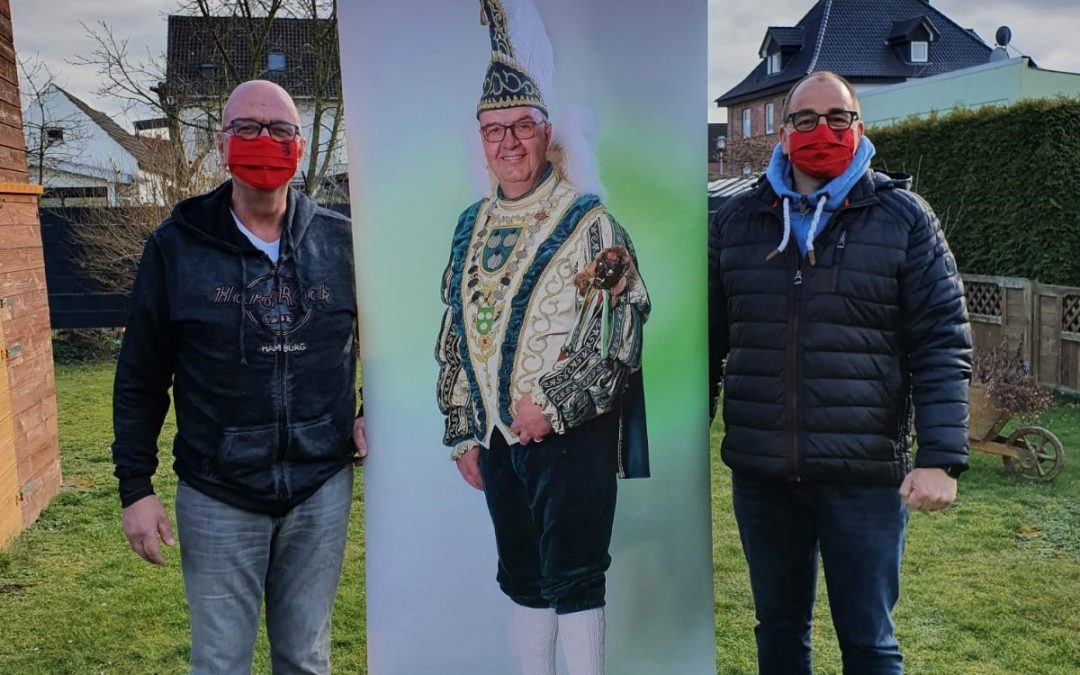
(990, 587)
(74, 599)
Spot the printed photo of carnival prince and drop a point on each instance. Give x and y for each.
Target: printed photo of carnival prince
(539, 355)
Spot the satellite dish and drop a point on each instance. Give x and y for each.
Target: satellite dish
(1003, 36)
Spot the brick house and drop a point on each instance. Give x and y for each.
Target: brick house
(869, 43)
(207, 56)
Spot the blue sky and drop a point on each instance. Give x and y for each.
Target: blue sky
(1042, 29)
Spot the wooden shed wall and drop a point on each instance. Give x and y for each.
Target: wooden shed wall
(27, 358)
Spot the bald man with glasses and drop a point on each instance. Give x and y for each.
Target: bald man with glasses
(244, 304)
(835, 307)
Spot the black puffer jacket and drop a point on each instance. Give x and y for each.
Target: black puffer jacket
(824, 361)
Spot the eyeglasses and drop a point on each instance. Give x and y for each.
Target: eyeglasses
(522, 130)
(807, 120)
(248, 129)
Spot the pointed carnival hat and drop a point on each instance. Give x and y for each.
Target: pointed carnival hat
(520, 73)
(522, 63)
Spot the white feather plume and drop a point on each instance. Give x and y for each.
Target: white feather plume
(572, 150)
(529, 40)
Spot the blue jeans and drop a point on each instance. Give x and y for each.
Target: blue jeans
(231, 558)
(860, 533)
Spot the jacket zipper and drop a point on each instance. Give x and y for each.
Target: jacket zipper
(838, 259)
(792, 458)
(283, 438)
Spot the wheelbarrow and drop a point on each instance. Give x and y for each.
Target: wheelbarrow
(1030, 452)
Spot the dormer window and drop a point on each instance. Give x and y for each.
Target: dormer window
(780, 45)
(910, 39)
(773, 62)
(920, 51)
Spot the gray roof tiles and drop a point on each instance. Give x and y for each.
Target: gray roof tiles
(850, 38)
(194, 60)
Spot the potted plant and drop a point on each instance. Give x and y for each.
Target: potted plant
(1001, 389)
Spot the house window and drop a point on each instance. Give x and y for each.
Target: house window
(770, 113)
(920, 51)
(746, 123)
(772, 63)
(207, 71)
(54, 135)
(275, 62)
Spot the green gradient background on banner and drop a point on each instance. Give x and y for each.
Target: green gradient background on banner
(412, 77)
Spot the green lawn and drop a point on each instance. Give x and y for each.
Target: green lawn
(992, 586)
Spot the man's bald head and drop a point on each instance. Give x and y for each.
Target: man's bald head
(819, 79)
(260, 100)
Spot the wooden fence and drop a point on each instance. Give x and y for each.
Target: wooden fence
(1044, 319)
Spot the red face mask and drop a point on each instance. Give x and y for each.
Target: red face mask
(262, 162)
(823, 153)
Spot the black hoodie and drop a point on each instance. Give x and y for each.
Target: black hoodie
(259, 356)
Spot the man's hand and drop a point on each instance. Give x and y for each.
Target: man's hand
(530, 423)
(469, 466)
(928, 490)
(143, 522)
(359, 441)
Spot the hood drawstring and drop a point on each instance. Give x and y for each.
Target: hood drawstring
(814, 224)
(291, 250)
(243, 306)
(787, 231)
(811, 233)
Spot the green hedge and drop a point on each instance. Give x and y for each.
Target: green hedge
(1004, 181)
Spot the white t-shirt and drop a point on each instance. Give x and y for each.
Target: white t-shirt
(270, 248)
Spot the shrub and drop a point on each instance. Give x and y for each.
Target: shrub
(1005, 182)
(1011, 389)
(87, 345)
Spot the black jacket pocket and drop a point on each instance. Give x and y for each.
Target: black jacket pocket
(319, 440)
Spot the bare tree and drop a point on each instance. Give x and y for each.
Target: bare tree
(326, 134)
(54, 139)
(241, 34)
(139, 86)
(111, 241)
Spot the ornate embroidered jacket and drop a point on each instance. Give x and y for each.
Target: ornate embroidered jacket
(512, 303)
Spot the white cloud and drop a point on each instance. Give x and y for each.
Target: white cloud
(51, 30)
(1043, 29)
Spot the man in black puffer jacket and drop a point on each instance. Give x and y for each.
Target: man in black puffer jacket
(244, 303)
(837, 305)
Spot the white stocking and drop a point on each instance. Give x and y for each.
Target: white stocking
(532, 639)
(581, 637)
